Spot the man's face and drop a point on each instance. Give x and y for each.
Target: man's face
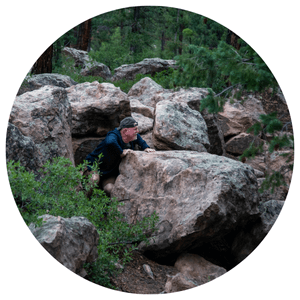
(132, 133)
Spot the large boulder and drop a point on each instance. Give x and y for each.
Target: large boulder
(79, 56)
(93, 68)
(147, 66)
(179, 127)
(45, 116)
(71, 241)
(193, 96)
(145, 123)
(138, 107)
(22, 148)
(198, 197)
(149, 93)
(97, 108)
(88, 66)
(35, 82)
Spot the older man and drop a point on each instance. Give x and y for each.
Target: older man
(116, 145)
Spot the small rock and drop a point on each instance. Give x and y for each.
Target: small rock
(148, 271)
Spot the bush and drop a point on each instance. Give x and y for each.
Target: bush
(56, 193)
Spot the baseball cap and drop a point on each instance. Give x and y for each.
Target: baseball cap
(127, 122)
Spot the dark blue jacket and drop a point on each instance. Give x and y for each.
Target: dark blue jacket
(111, 148)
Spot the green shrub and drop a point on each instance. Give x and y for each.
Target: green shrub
(56, 193)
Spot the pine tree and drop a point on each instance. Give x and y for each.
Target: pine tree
(44, 63)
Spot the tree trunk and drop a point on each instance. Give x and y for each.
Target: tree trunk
(181, 27)
(84, 36)
(175, 38)
(134, 27)
(163, 41)
(232, 39)
(44, 63)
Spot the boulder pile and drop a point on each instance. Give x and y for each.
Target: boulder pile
(211, 215)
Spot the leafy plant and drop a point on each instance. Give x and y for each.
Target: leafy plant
(61, 191)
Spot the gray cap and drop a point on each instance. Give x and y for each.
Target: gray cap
(128, 122)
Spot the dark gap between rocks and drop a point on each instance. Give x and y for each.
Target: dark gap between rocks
(228, 137)
(217, 252)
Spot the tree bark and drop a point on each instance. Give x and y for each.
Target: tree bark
(44, 63)
(84, 36)
(163, 41)
(232, 39)
(181, 27)
(134, 27)
(175, 38)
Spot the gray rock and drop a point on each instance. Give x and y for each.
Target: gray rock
(96, 69)
(97, 108)
(89, 67)
(35, 82)
(239, 143)
(178, 127)
(45, 116)
(147, 66)
(149, 93)
(147, 137)
(197, 268)
(145, 123)
(178, 283)
(237, 117)
(138, 107)
(71, 241)
(22, 148)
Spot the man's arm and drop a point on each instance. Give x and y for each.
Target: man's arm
(141, 142)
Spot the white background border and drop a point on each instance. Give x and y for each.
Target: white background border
(28, 28)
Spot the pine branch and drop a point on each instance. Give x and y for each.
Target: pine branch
(285, 125)
(226, 90)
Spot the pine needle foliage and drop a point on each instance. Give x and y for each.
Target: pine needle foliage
(269, 123)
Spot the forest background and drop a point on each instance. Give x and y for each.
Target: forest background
(208, 55)
(282, 61)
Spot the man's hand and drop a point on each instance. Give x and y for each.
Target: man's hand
(125, 152)
(148, 150)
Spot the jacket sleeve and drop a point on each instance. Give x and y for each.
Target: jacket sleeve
(113, 145)
(141, 142)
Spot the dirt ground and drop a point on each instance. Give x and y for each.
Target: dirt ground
(135, 280)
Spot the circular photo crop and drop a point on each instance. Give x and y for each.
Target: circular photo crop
(150, 150)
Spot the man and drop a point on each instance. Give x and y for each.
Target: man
(117, 144)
